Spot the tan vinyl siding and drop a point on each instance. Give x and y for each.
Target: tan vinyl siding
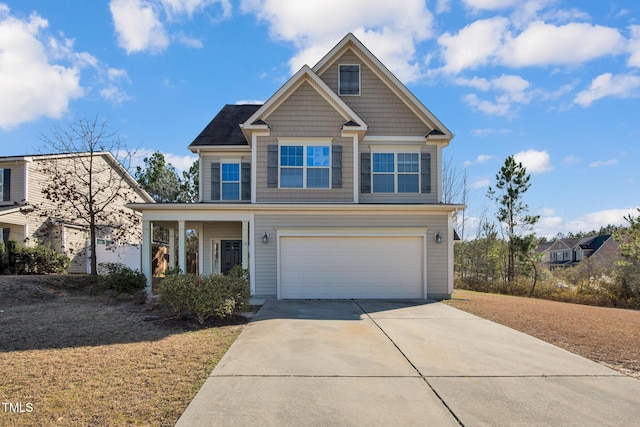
(305, 114)
(217, 231)
(18, 172)
(16, 231)
(377, 105)
(207, 159)
(73, 239)
(403, 197)
(75, 243)
(266, 255)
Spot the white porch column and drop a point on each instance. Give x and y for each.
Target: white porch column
(245, 245)
(146, 254)
(182, 247)
(172, 248)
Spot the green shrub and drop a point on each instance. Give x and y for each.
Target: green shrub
(205, 296)
(42, 259)
(121, 278)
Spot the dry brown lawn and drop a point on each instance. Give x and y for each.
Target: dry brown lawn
(610, 336)
(86, 360)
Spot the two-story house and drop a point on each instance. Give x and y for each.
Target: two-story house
(23, 204)
(572, 251)
(330, 189)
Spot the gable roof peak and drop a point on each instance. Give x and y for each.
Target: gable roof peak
(350, 41)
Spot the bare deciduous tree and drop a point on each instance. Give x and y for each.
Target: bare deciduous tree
(87, 183)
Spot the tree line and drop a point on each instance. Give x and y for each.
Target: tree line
(502, 255)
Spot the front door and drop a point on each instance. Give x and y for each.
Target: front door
(231, 254)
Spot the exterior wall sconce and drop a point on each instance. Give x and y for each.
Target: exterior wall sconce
(438, 237)
(265, 238)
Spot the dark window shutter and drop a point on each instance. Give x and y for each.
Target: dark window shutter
(272, 166)
(425, 173)
(365, 172)
(245, 181)
(6, 186)
(5, 235)
(336, 166)
(215, 181)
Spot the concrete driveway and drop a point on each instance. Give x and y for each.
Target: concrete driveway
(329, 363)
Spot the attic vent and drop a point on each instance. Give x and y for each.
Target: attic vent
(350, 123)
(349, 80)
(435, 132)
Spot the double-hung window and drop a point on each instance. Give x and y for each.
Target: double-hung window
(305, 166)
(230, 181)
(396, 172)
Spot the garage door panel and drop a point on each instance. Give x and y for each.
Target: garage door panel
(351, 267)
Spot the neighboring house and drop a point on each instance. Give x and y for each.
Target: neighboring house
(330, 189)
(22, 179)
(572, 251)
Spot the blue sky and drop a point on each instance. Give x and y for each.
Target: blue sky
(554, 82)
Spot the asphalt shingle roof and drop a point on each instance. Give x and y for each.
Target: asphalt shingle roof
(224, 128)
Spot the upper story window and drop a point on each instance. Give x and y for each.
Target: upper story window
(349, 80)
(396, 172)
(305, 166)
(5, 184)
(230, 181)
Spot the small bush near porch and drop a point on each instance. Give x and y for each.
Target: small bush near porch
(206, 296)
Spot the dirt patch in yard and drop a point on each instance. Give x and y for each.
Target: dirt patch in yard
(610, 336)
(79, 359)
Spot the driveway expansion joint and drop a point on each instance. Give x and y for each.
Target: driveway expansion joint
(412, 364)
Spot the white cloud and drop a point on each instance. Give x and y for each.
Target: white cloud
(490, 4)
(443, 6)
(250, 101)
(138, 26)
(510, 90)
(481, 183)
(177, 8)
(570, 159)
(601, 163)
(605, 85)
(389, 31)
(634, 46)
(543, 44)
(551, 224)
(181, 163)
(484, 132)
(185, 40)
(474, 45)
(534, 161)
(483, 158)
(32, 86)
(495, 41)
(595, 220)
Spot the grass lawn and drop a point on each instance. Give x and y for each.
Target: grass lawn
(81, 360)
(610, 336)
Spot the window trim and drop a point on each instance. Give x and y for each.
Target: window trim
(304, 144)
(2, 185)
(359, 80)
(239, 182)
(395, 151)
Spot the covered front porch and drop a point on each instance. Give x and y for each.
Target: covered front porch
(195, 241)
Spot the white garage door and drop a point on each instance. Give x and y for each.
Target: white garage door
(351, 267)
